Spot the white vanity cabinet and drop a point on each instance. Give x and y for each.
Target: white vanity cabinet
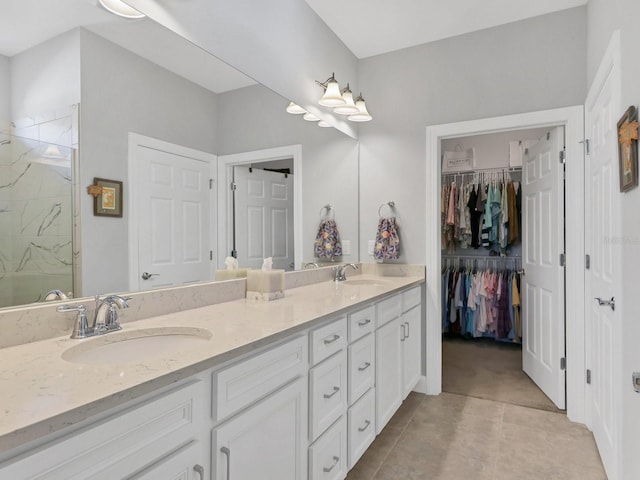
(134, 441)
(398, 351)
(261, 409)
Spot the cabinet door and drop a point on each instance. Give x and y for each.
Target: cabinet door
(269, 440)
(411, 349)
(186, 464)
(388, 372)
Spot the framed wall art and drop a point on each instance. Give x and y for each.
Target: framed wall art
(628, 149)
(107, 199)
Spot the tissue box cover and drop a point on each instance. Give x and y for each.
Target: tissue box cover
(265, 284)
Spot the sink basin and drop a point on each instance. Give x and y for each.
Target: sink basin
(136, 345)
(365, 281)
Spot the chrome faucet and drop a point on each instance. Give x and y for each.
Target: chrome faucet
(55, 295)
(105, 316)
(341, 274)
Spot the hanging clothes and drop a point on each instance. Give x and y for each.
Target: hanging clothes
(327, 244)
(387, 246)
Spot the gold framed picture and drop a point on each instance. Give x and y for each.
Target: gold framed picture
(628, 149)
(109, 202)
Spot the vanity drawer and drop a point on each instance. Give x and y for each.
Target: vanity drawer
(328, 339)
(121, 444)
(328, 393)
(361, 367)
(361, 426)
(245, 382)
(411, 298)
(328, 455)
(388, 309)
(361, 322)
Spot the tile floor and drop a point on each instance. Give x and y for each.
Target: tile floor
(460, 437)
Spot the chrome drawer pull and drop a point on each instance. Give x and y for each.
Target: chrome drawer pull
(364, 367)
(366, 425)
(404, 332)
(335, 462)
(329, 395)
(364, 322)
(331, 340)
(227, 453)
(408, 332)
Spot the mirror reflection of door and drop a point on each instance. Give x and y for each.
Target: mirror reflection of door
(263, 214)
(171, 215)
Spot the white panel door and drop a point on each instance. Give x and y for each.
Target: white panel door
(173, 199)
(543, 283)
(602, 225)
(263, 215)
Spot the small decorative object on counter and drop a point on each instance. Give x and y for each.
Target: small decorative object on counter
(265, 284)
(232, 271)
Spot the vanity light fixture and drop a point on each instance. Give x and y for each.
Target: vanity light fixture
(323, 124)
(362, 115)
(332, 96)
(120, 8)
(349, 108)
(310, 117)
(294, 109)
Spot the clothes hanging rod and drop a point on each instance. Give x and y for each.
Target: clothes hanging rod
(480, 257)
(485, 170)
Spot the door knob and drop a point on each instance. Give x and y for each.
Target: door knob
(147, 275)
(610, 303)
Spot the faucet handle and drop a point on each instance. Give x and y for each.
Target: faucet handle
(81, 329)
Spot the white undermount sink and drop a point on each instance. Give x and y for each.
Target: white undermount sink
(131, 346)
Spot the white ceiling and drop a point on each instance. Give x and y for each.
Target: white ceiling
(372, 27)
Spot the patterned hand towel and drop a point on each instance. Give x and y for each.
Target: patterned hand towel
(327, 244)
(387, 240)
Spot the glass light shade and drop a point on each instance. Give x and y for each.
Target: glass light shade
(310, 117)
(118, 7)
(332, 96)
(362, 115)
(349, 108)
(295, 109)
(323, 124)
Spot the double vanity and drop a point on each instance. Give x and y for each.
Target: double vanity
(295, 388)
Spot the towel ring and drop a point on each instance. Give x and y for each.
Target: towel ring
(328, 208)
(391, 206)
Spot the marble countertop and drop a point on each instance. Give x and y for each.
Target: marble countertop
(42, 393)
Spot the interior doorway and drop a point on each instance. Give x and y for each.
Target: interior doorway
(503, 215)
(573, 121)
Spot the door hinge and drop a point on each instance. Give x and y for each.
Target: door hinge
(563, 363)
(587, 146)
(234, 186)
(587, 262)
(588, 377)
(210, 254)
(211, 184)
(563, 156)
(562, 260)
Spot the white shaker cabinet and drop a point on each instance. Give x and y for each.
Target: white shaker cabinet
(388, 372)
(411, 349)
(181, 465)
(268, 440)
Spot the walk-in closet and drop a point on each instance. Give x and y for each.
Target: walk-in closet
(491, 225)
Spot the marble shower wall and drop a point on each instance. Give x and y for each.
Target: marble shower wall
(36, 207)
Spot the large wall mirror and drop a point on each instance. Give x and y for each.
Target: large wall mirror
(75, 82)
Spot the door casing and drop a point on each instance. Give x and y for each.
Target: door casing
(572, 118)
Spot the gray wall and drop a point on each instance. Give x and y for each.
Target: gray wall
(254, 118)
(123, 93)
(531, 65)
(605, 16)
(46, 77)
(5, 93)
